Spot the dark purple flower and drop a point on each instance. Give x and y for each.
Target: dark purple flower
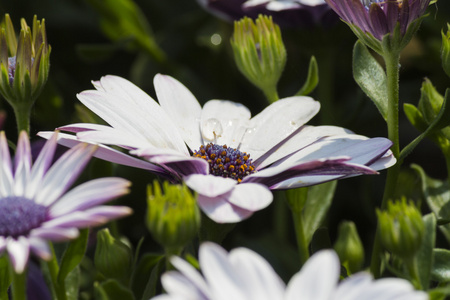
(286, 13)
(380, 17)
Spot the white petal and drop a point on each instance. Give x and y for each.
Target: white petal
(258, 277)
(124, 106)
(55, 234)
(221, 276)
(106, 153)
(209, 185)
(89, 194)
(191, 273)
(220, 210)
(19, 252)
(317, 279)
(251, 3)
(112, 136)
(224, 122)
(282, 5)
(40, 248)
(353, 287)
(250, 196)
(6, 176)
(178, 285)
(22, 164)
(276, 122)
(181, 106)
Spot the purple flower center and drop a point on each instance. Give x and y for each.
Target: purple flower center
(226, 162)
(19, 215)
(12, 68)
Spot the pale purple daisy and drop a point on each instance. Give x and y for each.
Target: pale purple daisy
(286, 13)
(380, 17)
(35, 206)
(243, 274)
(230, 159)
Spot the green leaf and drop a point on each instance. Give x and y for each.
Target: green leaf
(437, 195)
(111, 289)
(312, 80)
(316, 206)
(415, 117)
(424, 256)
(441, 267)
(152, 284)
(5, 279)
(72, 282)
(142, 272)
(370, 77)
(73, 255)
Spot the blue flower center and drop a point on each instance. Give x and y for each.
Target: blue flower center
(368, 3)
(19, 215)
(226, 162)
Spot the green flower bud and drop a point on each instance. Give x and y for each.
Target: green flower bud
(349, 248)
(259, 53)
(445, 51)
(430, 102)
(401, 228)
(113, 258)
(173, 217)
(24, 64)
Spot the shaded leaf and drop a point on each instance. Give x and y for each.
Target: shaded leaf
(441, 266)
(73, 255)
(312, 80)
(424, 256)
(111, 289)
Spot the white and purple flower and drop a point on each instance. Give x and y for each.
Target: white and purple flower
(35, 206)
(229, 158)
(243, 274)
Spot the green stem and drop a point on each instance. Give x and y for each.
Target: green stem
(271, 93)
(169, 253)
(302, 244)
(413, 270)
(22, 114)
(53, 267)
(391, 59)
(18, 287)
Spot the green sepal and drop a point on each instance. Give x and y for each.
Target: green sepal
(73, 255)
(371, 77)
(441, 266)
(312, 80)
(111, 289)
(437, 196)
(367, 38)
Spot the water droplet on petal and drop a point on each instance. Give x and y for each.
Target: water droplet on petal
(211, 129)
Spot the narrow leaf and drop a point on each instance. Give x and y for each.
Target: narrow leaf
(73, 255)
(312, 80)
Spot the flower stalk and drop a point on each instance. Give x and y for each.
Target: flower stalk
(18, 286)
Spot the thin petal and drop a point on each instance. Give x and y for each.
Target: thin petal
(176, 284)
(40, 248)
(317, 279)
(19, 252)
(6, 176)
(22, 164)
(181, 106)
(277, 122)
(63, 173)
(192, 274)
(89, 194)
(224, 122)
(57, 234)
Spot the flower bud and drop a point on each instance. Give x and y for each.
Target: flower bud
(259, 52)
(430, 102)
(24, 64)
(401, 228)
(349, 248)
(113, 258)
(173, 217)
(445, 51)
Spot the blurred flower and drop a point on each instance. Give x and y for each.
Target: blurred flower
(286, 13)
(371, 20)
(34, 207)
(349, 247)
(173, 217)
(219, 151)
(243, 274)
(24, 64)
(259, 53)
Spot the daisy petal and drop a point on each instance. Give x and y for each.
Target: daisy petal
(22, 164)
(250, 196)
(6, 176)
(40, 247)
(57, 234)
(208, 185)
(182, 106)
(19, 252)
(178, 285)
(191, 273)
(220, 210)
(276, 122)
(224, 122)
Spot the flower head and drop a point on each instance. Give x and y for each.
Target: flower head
(243, 274)
(272, 150)
(372, 20)
(34, 205)
(286, 13)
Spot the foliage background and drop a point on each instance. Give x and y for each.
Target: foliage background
(81, 52)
